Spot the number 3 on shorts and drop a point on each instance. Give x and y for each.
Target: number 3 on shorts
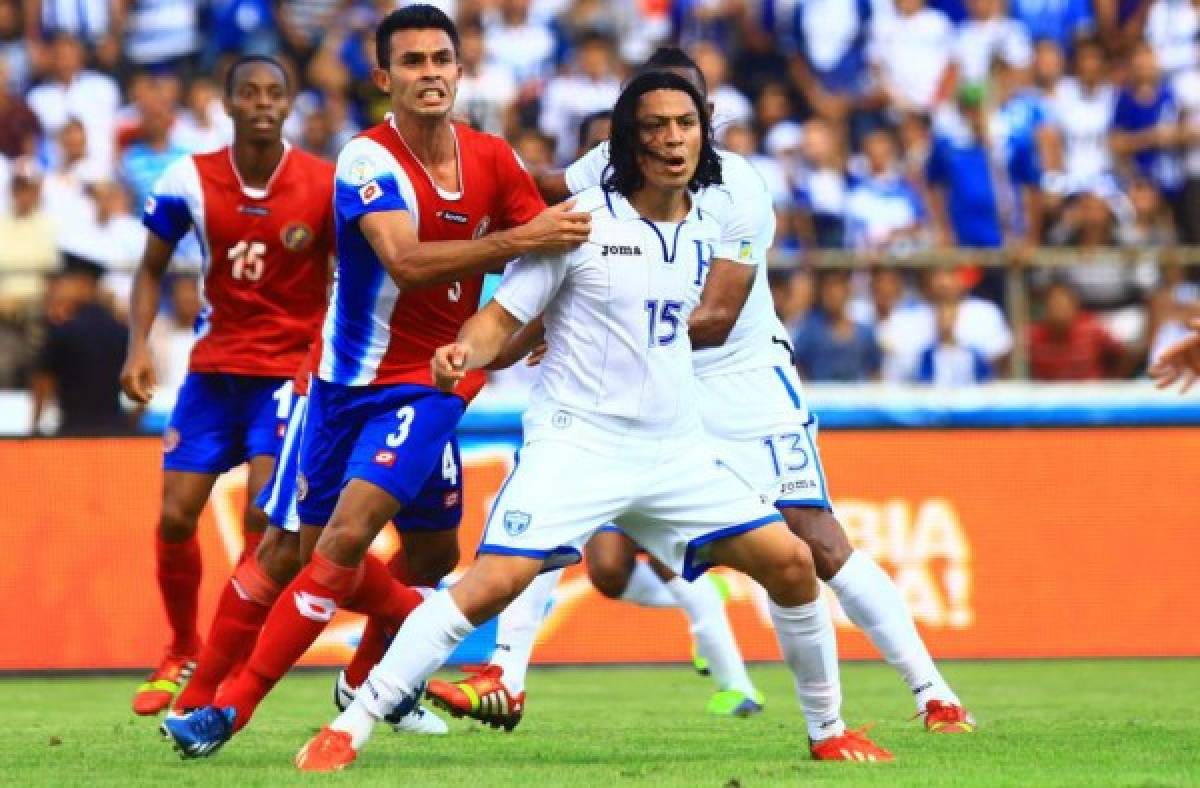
(404, 417)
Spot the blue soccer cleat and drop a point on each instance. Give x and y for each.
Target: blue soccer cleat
(199, 733)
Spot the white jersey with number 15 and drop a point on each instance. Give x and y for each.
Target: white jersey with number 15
(741, 205)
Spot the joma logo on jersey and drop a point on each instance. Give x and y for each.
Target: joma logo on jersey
(620, 249)
(385, 457)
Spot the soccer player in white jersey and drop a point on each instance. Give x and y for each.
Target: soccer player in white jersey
(753, 404)
(614, 430)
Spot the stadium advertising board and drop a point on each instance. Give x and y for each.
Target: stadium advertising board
(1006, 543)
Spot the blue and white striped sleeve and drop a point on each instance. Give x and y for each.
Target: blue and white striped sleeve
(167, 212)
(368, 180)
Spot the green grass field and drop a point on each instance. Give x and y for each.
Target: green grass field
(1046, 723)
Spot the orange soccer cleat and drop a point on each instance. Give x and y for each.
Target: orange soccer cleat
(481, 696)
(328, 751)
(155, 693)
(943, 717)
(850, 746)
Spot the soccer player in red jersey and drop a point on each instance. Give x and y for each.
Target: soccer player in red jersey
(262, 212)
(423, 207)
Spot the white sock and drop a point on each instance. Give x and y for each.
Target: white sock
(872, 601)
(809, 647)
(427, 637)
(702, 604)
(646, 588)
(517, 628)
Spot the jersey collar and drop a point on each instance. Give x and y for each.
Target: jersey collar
(623, 211)
(445, 195)
(260, 194)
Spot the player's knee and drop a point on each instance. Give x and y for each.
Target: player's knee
(345, 540)
(279, 556)
(789, 576)
(176, 522)
(428, 570)
(610, 577)
(824, 536)
(254, 519)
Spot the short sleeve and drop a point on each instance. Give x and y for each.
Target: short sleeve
(166, 212)
(748, 219)
(520, 199)
(369, 180)
(588, 171)
(529, 285)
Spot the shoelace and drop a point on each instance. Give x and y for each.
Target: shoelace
(210, 723)
(957, 711)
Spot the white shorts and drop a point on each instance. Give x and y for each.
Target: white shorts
(761, 427)
(674, 498)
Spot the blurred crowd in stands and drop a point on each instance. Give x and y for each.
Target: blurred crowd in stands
(885, 128)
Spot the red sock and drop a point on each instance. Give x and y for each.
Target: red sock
(243, 608)
(381, 596)
(250, 542)
(377, 635)
(179, 573)
(304, 608)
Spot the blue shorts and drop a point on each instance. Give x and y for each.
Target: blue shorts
(400, 438)
(220, 421)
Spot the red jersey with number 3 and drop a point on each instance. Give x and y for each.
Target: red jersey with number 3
(376, 333)
(266, 256)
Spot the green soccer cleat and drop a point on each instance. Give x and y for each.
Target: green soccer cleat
(732, 703)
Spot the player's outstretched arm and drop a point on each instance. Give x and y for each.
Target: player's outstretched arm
(412, 263)
(480, 340)
(1179, 362)
(725, 292)
(137, 376)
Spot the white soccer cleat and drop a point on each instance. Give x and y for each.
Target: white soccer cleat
(420, 720)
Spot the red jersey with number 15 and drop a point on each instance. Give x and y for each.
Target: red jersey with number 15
(266, 256)
(375, 333)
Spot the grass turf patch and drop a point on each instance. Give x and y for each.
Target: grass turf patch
(1045, 723)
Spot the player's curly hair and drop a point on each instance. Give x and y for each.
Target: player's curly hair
(624, 174)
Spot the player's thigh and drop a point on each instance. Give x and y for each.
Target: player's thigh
(556, 495)
(773, 556)
(779, 458)
(204, 434)
(329, 430)
(265, 406)
(428, 525)
(690, 500)
(491, 583)
(403, 438)
(361, 512)
(610, 556)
